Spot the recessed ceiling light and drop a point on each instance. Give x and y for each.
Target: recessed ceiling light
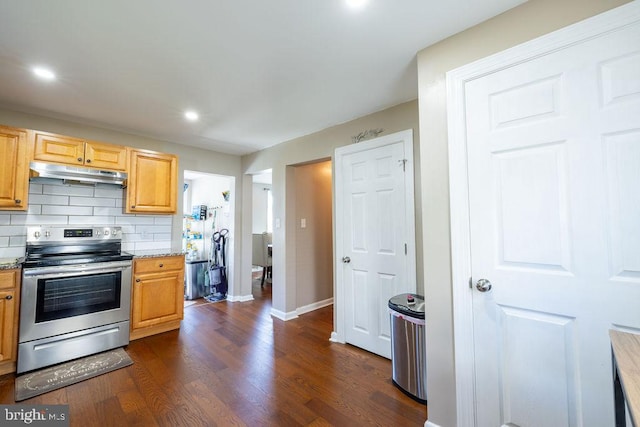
(44, 73)
(192, 116)
(356, 4)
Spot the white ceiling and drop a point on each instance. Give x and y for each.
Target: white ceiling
(258, 72)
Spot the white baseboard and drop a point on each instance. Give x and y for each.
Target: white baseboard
(430, 424)
(282, 315)
(241, 298)
(334, 338)
(314, 306)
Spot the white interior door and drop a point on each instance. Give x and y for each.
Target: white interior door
(553, 151)
(375, 231)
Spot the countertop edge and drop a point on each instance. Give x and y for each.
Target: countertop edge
(626, 350)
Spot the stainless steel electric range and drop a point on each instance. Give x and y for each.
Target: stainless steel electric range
(76, 294)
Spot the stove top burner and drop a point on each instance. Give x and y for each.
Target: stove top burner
(49, 261)
(68, 245)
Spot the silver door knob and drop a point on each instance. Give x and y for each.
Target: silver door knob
(483, 285)
(346, 259)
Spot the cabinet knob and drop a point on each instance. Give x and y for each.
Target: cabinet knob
(161, 265)
(133, 206)
(88, 161)
(80, 159)
(9, 297)
(137, 280)
(18, 201)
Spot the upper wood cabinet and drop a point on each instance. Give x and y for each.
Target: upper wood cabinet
(153, 182)
(14, 168)
(49, 147)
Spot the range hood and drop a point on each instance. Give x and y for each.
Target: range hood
(77, 174)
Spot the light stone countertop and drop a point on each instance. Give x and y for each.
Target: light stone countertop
(154, 253)
(10, 263)
(626, 349)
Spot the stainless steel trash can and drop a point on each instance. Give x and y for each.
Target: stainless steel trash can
(408, 358)
(194, 279)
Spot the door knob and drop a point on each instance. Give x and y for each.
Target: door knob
(346, 259)
(483, 285)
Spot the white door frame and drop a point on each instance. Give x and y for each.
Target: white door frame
(338, 335)
(458, 179)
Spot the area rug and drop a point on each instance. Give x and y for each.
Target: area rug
(45, 380)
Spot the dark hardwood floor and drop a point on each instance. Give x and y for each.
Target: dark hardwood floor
(232, 364)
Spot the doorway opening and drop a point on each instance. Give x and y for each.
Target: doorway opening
(262, 234)
(208, 210)
(312, 219)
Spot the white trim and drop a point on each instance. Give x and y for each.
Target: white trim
(314, 306)
(284, 316)
(458, 183)
(430, 424)
(334, 338)
(406, 136)
(243, 298)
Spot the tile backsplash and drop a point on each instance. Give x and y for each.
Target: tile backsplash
(52, 202)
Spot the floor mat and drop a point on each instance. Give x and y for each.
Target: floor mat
(54, 377)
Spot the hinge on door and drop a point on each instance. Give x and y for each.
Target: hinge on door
(470, 282)
(405, 248)
(404, 164)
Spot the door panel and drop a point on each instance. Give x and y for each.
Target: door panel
(372, 226)
(553, 152)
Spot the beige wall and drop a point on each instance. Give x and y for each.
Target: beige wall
(314, 242)
(190, 158)
(317, 146)
(523, 23)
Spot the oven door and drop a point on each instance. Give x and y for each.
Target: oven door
(62, 299)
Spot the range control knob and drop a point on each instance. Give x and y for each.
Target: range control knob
(36, 234)
(98, 232)
(47, 234)
(114, 232)
(106, 232)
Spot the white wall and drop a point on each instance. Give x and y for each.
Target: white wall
(523, 23)
(259, 208)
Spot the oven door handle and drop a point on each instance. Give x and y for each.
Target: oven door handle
(76, 270)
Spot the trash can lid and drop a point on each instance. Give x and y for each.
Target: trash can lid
(409, 304)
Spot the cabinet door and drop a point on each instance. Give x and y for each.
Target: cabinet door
(8, 339)
(9, 297)
(14, 169)
(54, 148)
(105, 156)
(157, 298)
(153, 180)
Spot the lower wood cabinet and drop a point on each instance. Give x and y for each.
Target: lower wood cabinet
(9, 308)
(157, 295)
